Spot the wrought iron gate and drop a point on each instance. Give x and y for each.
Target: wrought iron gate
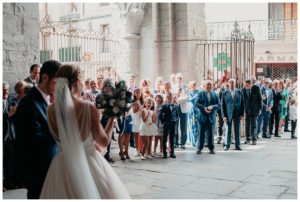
(236, 56)
(91, 50)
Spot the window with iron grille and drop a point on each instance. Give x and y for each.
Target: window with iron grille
(45, 55)
(70, 54)
(284, 70)
(105, 42)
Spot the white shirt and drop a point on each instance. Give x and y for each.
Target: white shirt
(267, 92)
(44, 95)
(232, 93)
(33, 81)
(293, 112)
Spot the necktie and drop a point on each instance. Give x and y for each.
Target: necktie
(208, 96)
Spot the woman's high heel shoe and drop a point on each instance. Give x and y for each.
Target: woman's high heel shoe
(122, 156)
(127, 156)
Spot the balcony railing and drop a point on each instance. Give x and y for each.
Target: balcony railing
(71, 16)
(262, 30)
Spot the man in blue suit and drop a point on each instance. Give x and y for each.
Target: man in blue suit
(232, 111)
(208, 104)
(35, 145)
(267, 98)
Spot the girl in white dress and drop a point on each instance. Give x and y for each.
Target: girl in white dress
(148, 127)
(159, 102)
(137, 119)
(136, 122)
(78, 171)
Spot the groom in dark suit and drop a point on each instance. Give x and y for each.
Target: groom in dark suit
(35, 145)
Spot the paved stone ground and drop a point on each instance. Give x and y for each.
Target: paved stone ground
(267, 170)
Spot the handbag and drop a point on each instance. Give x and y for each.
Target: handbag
(184, 105)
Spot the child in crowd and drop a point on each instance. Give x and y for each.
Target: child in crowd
(168, 115)
(138, 98)
(148, 127)
(136, 122)
(159, 102)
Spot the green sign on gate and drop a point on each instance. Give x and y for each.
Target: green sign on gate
(222, 62)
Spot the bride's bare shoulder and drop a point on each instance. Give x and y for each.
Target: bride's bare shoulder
(88, 103)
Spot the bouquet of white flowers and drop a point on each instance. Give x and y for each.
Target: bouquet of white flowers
(114, 99)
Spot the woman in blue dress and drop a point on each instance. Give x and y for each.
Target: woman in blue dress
(193, 116)
(124, 130)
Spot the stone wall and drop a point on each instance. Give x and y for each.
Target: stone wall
(20, 40)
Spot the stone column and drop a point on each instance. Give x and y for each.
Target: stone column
(172, 37)
(156, 36)
(132, 15)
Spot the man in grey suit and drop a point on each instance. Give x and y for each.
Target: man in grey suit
(232, 112)
(267, 104)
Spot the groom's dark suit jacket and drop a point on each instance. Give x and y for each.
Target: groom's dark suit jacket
(35, 145)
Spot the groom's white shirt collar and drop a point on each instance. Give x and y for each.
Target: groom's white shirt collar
(44, 95)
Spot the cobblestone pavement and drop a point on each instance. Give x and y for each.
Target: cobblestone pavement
(267, 170)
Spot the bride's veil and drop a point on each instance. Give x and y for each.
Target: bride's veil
(75, 160)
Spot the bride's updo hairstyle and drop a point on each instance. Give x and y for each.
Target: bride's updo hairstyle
(70, 72)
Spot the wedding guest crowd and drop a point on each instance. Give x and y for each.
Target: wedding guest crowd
(173, 113)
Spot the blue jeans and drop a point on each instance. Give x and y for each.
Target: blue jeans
(264, 118)
(183, 126)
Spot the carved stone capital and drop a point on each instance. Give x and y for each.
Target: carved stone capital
(132, 16)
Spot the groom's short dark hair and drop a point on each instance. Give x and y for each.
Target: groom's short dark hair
(50, 68)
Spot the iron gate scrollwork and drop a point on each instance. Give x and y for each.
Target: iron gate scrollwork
(92, 50)
(234, 55)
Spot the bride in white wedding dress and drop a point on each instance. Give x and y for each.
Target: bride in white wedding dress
(78, 171)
